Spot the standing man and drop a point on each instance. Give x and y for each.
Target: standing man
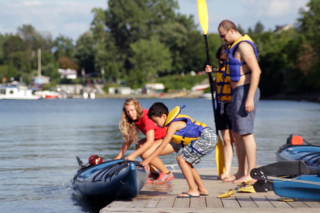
(244, 71)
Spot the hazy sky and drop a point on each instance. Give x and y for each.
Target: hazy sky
(72, 17)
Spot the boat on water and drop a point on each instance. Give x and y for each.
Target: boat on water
(298, 149)
(207, 95)
(46, 94)
(17, 92)
(114, 179)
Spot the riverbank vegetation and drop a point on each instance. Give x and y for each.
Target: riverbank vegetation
(143, 41)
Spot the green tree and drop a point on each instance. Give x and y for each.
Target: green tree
(240, 29)
(106, 54)
(84, 52)
(258, 28)
(309, 23)
(13, 44)
(63, 47)
(149, 58)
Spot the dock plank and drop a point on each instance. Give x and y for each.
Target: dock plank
(152, 202)
(214, 202)
(162, 198)
(262, 202)
(230, 202)
(198, 202)
(277, 203)
(312, 204)
(119, 204)
(298, 204)
(138, 203)
(166, 202)
(246, 202)
(182, 202)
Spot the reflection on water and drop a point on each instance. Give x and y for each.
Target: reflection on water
(39, 142)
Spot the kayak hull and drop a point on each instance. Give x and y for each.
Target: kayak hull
(310, 154)
(302, 187)
(114, 179)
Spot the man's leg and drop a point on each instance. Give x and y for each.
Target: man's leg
(250, 149)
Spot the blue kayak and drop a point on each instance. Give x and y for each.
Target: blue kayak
(306, 152)
(303, 187)
(116, 179)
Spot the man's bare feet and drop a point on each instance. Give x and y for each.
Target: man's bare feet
(245, 178)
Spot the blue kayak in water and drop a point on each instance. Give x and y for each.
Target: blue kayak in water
(301, 150)
(302, 187)
(115, 179)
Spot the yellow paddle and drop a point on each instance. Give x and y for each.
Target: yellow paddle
(242, 187)
(203, 18)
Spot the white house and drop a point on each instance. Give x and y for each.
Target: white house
(157, 87)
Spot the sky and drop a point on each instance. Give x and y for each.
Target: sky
(72, 18)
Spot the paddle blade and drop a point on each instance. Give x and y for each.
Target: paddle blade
(227, 194)
(248, 189)
(220, 157)
(203, 15)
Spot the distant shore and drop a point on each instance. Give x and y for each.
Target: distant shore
(196, 94)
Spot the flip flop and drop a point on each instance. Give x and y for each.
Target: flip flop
(200, 194)
(189, 195)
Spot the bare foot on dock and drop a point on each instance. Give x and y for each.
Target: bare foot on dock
(224, 176)
(229, 179)
(246, 179)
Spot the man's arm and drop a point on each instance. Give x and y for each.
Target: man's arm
(248, 55)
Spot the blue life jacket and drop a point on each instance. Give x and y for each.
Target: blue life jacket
(233, 65)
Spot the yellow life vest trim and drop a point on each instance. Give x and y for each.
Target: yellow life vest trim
(172, 114)
(242, 38)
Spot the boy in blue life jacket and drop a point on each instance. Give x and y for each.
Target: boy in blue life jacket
(196, 139)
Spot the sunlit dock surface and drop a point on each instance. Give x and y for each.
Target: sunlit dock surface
(162, 198)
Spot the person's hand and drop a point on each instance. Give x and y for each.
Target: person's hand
(117, 158)
(130, 157)
(208, 68)
(249, 105)
(145, 164)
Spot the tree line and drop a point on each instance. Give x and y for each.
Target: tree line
(138, 41)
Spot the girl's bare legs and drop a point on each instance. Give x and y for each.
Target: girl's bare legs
(157, 162)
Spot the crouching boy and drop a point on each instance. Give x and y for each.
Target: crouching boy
(196, 139)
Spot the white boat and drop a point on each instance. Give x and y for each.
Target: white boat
(200, 87)
(207, 95)
(47, 94)
(15, 92)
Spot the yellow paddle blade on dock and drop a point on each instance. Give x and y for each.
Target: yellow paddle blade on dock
(242, 187)
(248, 189)
(220, 157)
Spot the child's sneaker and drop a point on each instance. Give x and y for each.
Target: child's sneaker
(152, 177)
(163, 178)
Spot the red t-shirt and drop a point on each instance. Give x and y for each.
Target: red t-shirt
(145, 124)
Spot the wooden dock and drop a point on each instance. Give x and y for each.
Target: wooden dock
(162, 198)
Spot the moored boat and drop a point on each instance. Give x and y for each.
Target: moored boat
(115, 179)
(302, 187)
(16, 93)
(298, 149)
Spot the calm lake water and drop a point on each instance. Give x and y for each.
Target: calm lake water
(39, 142)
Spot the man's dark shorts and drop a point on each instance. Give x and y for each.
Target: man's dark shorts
(224, 116)
(243, 122)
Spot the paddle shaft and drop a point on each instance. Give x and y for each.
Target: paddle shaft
(212, 87)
